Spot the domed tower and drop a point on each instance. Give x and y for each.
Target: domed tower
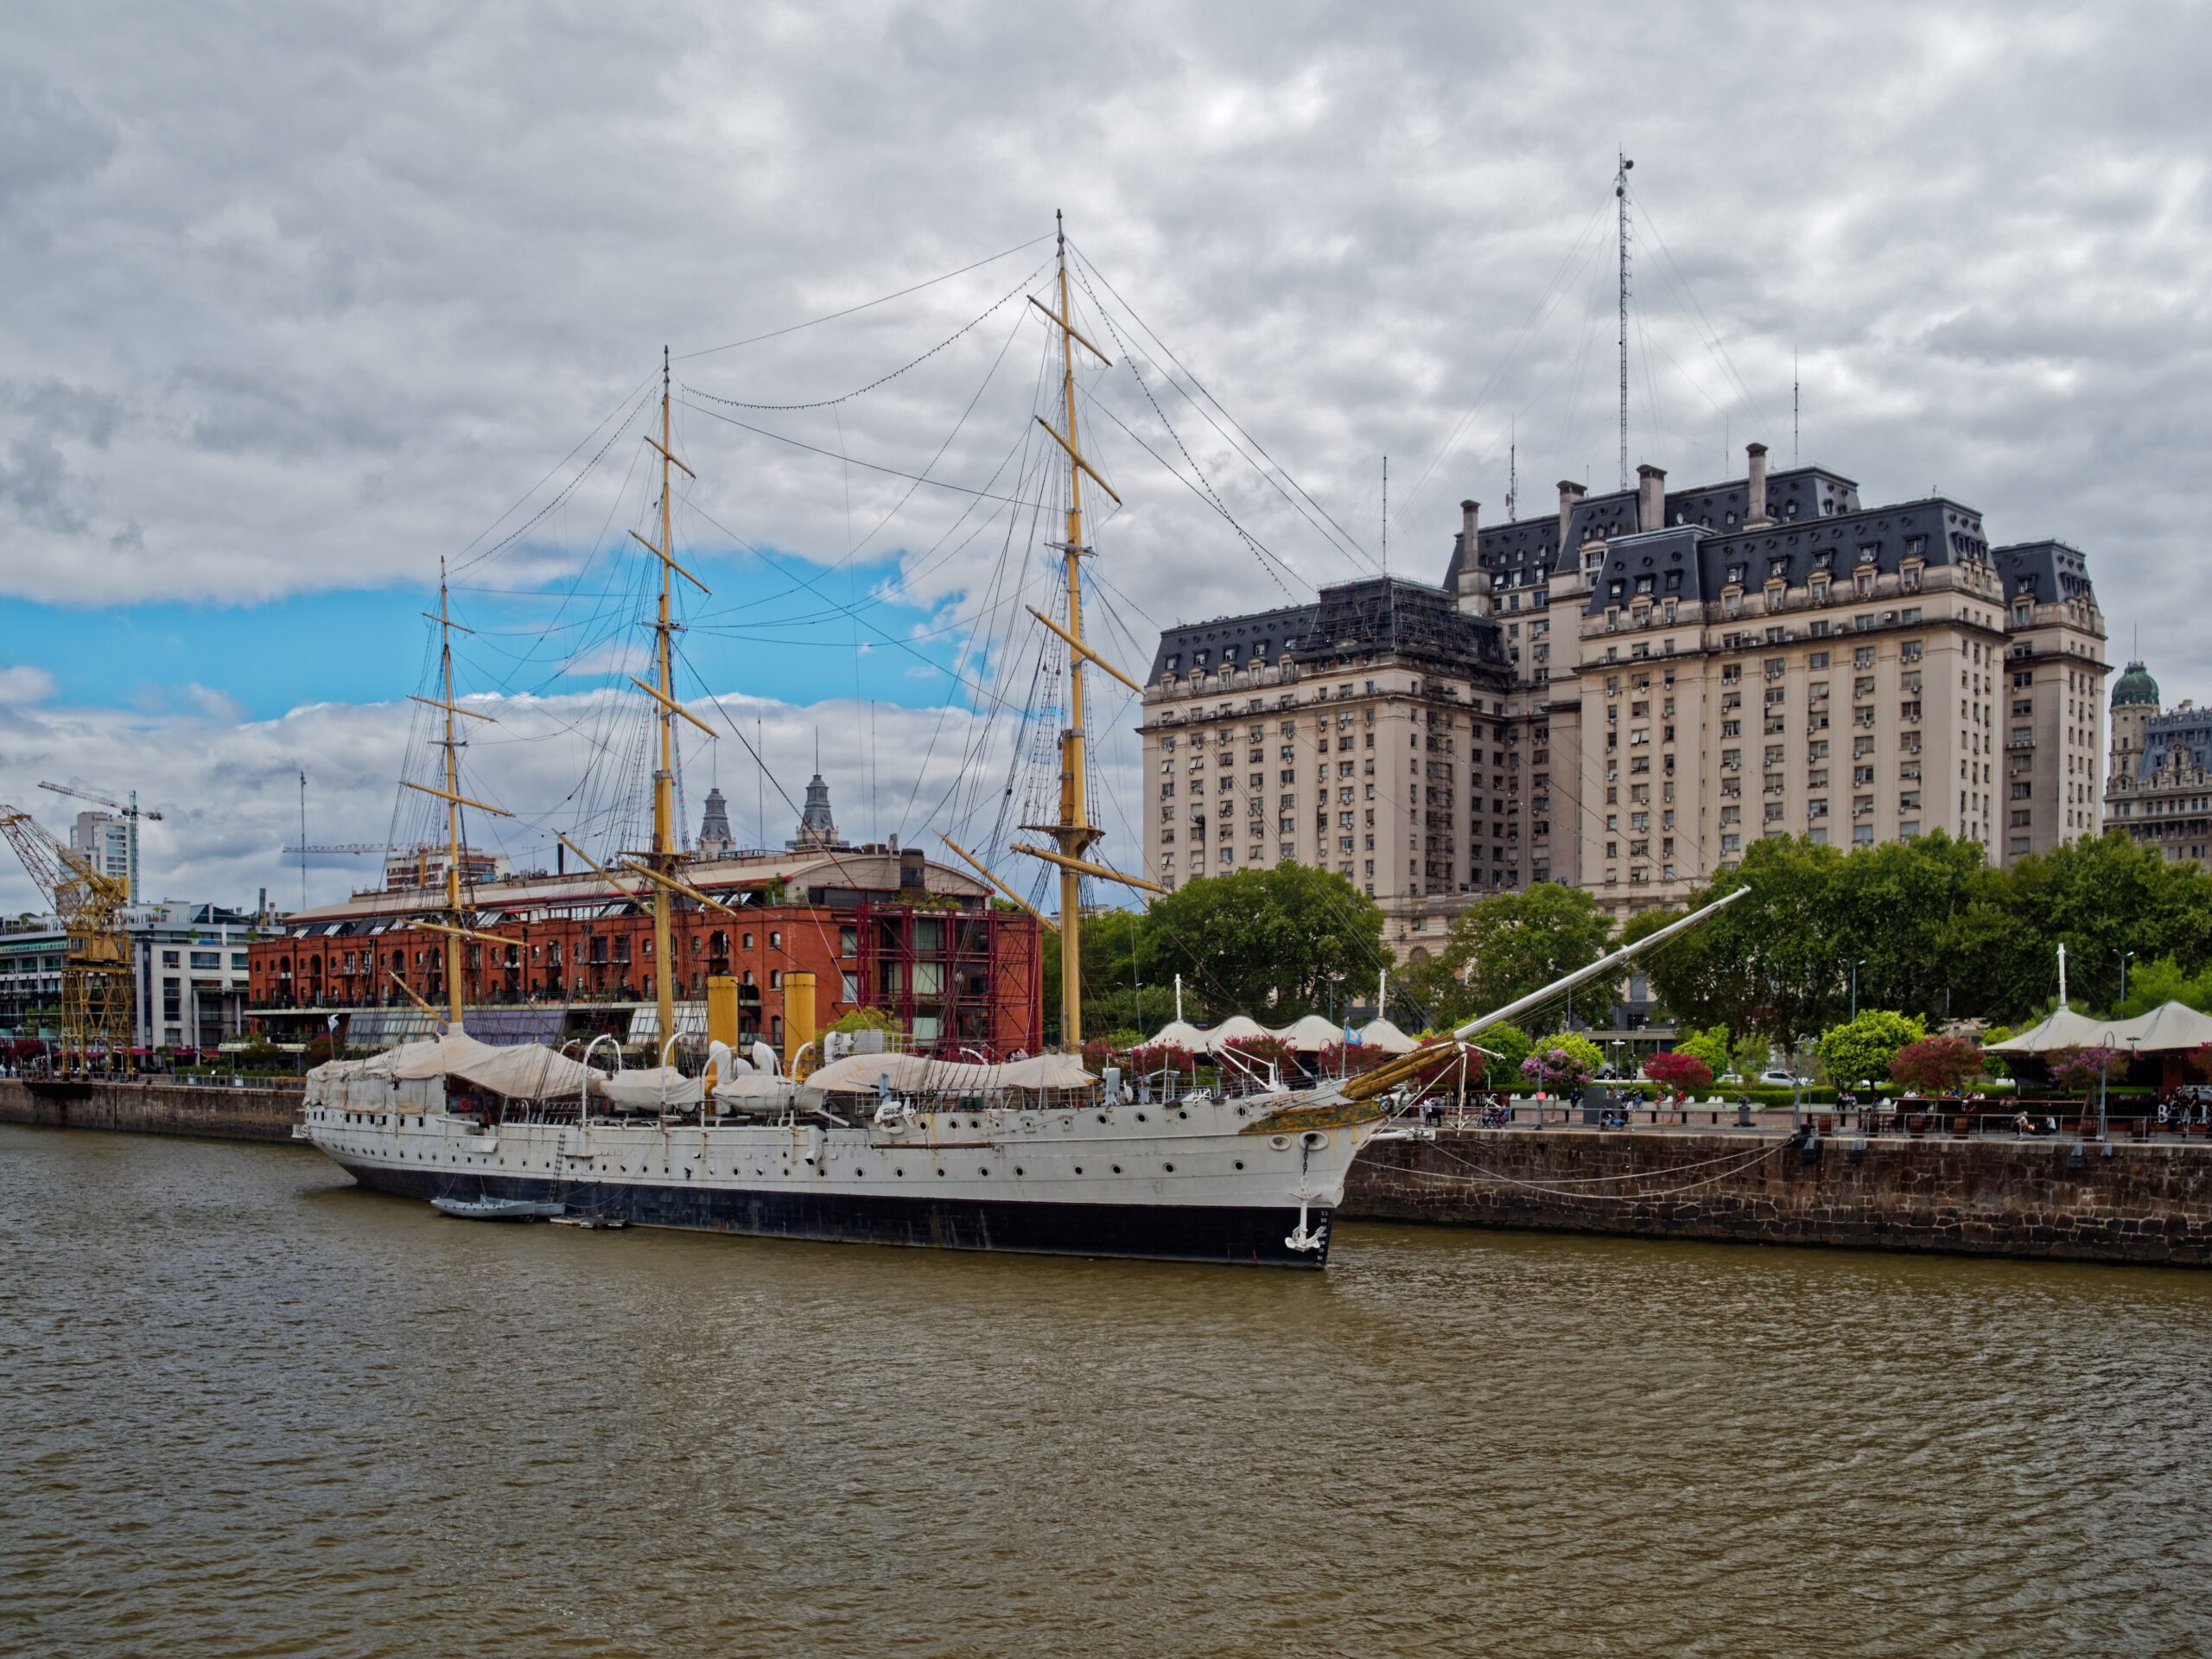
(2134, 700)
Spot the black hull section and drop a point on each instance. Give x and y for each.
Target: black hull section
(1247, 1238)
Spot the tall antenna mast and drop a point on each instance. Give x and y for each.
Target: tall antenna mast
(1793, 405)
(1512, 467)
(303, 838)
(1386, 515)
(1620, 194)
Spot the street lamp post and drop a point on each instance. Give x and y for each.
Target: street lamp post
(2104, 1075)
(2134, 1053)
(1857, 963)
(2124, 957)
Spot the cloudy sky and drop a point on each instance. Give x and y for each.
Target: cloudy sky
(302, 300)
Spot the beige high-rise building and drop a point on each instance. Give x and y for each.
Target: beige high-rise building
(2160, 787)
(1625, 693)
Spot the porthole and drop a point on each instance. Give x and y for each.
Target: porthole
(983, 1172)
(1180, 1112)
(1078, 1169)
(1117, 1169)
(1102, 1117)
(940, 1172)
(898, 1173)
(1239, 1111)
(1139, 1117)
(1240, 1163)
(1169, 1168)
(1017, 1169)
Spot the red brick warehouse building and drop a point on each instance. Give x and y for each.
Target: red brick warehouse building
(878, 927)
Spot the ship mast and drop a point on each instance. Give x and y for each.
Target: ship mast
(454, 928)
(1074, 833)
(659, 865)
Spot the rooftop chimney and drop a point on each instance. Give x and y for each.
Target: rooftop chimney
(1651, 499)
(1569, 493)
(1474, 581)
(1757, 503)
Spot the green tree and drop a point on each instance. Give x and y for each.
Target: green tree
(1771, 963)
(1863, 1048)
(1748, 1055)
(1502, 947)
(1511, 1045)
(2100, 897)
(2150, 984)
(1710, 1046)
(1270, 943)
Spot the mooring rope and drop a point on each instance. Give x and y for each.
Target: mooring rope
(1565, 1190)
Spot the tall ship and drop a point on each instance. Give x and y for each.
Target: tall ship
(1031, 1153)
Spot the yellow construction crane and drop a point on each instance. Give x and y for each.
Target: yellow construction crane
(96, 977)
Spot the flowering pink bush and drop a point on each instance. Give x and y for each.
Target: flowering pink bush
(1162, 1057)
(2078, 1071)
(1678, 1072)
(1937, 1064)
(1260, 1052)
(1349, 1059)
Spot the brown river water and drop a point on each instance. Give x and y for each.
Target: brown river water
(252, 1410)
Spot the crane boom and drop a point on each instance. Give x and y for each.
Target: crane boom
(96, 977)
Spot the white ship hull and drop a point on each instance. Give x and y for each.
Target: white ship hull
(1197, 1179)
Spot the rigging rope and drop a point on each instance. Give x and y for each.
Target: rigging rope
(882, 380)
(814, 322)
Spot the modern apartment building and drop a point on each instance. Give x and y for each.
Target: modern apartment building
(188, 961)
(109, 843)
(2160, 787)
(1627, 692)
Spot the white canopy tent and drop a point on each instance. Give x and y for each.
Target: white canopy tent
(1237, 1026)
(1312, 1034)
(1183, 1035)
(2168, 1027)
(1381, 1033)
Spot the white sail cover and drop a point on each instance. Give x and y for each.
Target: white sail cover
(1381, 1033)
(1312, 1034)
(523, 1070)
(652, 1086)
(916, 1074)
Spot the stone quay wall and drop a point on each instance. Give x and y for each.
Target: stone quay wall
(153, 1108)
(2148, 1202)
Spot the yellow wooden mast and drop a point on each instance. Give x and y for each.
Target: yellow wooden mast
(455, 928)
(1074, 832)
(659, 866)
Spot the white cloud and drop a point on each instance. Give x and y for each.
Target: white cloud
(229, 791)
(21, 685)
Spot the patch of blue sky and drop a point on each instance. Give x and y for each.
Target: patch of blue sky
(785, 629)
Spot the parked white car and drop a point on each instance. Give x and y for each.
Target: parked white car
(1779, 1078)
